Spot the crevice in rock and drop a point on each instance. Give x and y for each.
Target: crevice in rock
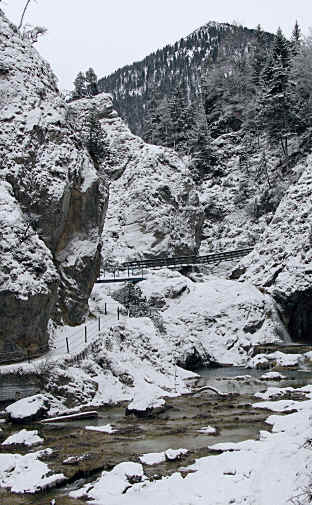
(299, 311)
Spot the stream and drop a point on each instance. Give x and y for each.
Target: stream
(177, 427)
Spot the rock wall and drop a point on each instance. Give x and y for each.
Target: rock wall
(281, 261)
(154, 208)
(52, 201)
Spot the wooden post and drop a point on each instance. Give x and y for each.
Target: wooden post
(128, 272)
(118, 313)
(105, 309)
(175, 378)
(99, 324)
(28, 356)
(86, 337)
(114, 274)
(67, 345)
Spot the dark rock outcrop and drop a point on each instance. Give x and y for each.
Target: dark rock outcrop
(281, 262)
(52, 202)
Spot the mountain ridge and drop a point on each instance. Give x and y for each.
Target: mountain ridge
(162, 71)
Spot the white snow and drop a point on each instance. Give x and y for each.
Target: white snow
(271, 470)
(208, 430)
(27, 474)
(27, 407)
(285, 360)
(111, 484)
(173, 454)
(142, 403)
(279, 406)
(153, 458)
(272, 376)
(107, 428)
(25, 437)
(274, 393)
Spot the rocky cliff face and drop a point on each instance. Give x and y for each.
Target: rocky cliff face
(281, 262)
(154, 207)
(52, 201)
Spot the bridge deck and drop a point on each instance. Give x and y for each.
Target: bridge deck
(119, 279)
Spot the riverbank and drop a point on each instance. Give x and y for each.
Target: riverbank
(79, 452)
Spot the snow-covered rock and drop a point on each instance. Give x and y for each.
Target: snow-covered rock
(52, 201)
(272, 376)
(219, 321)
(111, 484)
(278, 405)
(131, 361)
(277, 359)
(153, 458)
(274, 393)
(281, 261)
(154, 207)
(174, 454)
(28, 409)
(27, 474)
(25, 437)
(143, 406)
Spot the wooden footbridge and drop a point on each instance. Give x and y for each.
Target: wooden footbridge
(135, 269)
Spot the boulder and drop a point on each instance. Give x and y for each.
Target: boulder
(27, 410)
(144, 407)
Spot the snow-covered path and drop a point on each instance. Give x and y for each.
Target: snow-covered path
(75, 336)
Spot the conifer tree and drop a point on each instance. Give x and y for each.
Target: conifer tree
(80, 88)
(296, 34)
(91, 82)
(281, 49)
(95, 140)
(181, 120)
(296, 39)
(276, 95)
(259, 56)
(200, 144)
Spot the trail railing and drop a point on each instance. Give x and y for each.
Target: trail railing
(186, 260)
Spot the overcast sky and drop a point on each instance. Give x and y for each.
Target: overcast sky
(109, 34)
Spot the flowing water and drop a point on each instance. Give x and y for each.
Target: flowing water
(178, 427)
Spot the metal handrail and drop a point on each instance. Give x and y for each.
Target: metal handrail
(187, 260)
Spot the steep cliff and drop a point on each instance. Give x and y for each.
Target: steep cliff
(281, 261)
(52, 201)
(154, 207)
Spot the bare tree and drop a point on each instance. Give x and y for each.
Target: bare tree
(23, 14)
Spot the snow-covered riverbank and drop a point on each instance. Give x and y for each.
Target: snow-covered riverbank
(272, 470)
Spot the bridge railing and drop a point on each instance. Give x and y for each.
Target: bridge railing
(187, 260)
